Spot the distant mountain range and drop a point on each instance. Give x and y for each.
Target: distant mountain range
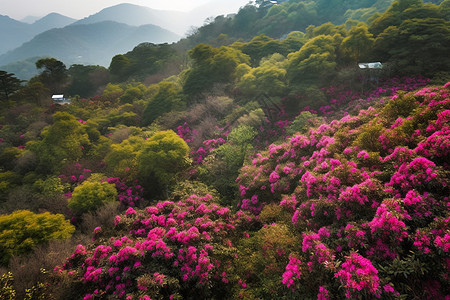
(14, 33)
(88, 43)
(98, 37)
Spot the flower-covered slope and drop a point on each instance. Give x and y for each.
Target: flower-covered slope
(367, 199)
(369, 196)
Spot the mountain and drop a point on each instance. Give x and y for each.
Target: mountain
(136, 15)
(14, 33)
(50, 21)
(176, 21)
(29, 19)
(89, 43)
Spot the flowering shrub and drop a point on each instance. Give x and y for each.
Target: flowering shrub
(163, 250)
(362, 191)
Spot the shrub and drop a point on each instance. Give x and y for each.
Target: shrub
(22, 230)
(90, 195)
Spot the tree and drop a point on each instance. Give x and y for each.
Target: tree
(268, 78)
(166, 99)
(211, 66)
(54, 74)
(417, 46)
(85, 80)
(163, 157)
(358, 43)
(65, 140)
(91, 195)
(34, 91)
(9, 84)
(315, 62)
(119, 68)
(22, 230)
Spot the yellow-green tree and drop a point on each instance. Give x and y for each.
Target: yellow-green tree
(268, 78)
(166, 99)
(315, 62)
(358, 43)
(92, 194)
(162, 158)
(65, 140)
(22, 230)
(211, 66)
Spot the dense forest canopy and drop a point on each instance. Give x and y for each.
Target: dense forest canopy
(258, 158)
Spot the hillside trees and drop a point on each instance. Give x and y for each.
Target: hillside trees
(416, 46)
(144, 60)
(358, 43)
(9, 84)
(211, 66)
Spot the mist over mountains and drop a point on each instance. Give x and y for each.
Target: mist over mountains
(98, 37)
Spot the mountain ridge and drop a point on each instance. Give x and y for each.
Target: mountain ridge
(88, 43)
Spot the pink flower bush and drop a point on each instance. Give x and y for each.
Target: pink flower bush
(358, 275)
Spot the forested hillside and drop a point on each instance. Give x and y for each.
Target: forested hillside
(259, 158)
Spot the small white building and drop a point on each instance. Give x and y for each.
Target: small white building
(60, 99)
(371, 65)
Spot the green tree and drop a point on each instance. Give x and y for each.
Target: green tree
(211, 66)
(22, 230)
(417, 46)
(54, 74)
(86, 80)
(358, 43)
(315, 62)
(222, 167)
(121, 159)
(166, 99)
(34, 91)
(268, 78)
(119, 68)
(65, 140)
(162, 158)
(9, 84)
(91, 195)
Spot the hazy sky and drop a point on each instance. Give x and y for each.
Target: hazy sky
(77, 9)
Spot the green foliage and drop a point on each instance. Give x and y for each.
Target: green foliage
(303, 122)
(91, 195)
(54, 74)
(8, 181)
(358, 43)
(22, 230)
(34, 92)
(9, 84)
(162, 158)
(416, 46)
(121, 159)
(167, 98)
(65, 140)
(268, 78)
(86, 80)
(223, 166)
(262, 259)
(212, 66)
(144, 60)
(315, 61)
